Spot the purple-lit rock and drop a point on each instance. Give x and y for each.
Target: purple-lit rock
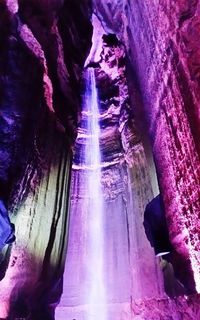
(39, 76)
(126, 186)
(161, 41)
(43, 46)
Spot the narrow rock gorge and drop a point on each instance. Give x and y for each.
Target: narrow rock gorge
(126, 190)
(144, 57)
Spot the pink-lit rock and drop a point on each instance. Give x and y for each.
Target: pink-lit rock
(13, 6)
(35, 47)
(129, 259)
(181, 308)
(161, 40)
(43, 46)
(39, 102)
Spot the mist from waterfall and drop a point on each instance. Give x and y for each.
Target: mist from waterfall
(96, 299)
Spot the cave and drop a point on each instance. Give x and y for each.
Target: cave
(99, 160)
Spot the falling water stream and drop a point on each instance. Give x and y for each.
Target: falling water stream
(104, 269)
(96, 299)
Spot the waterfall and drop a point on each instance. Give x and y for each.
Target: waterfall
(104, 266)
(96, 299)
(85, 295)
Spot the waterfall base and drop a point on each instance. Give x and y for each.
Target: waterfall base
(143, 309)
(116, 311)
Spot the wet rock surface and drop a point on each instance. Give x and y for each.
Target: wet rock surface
(126, 188)
(43, 46)
(161, 41)
(116, 118)
(40, 65)
(186, 308)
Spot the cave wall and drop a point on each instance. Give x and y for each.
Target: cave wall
(43, 46)
(131, 269)
(127, 183)
(31, 271)
(161, 41)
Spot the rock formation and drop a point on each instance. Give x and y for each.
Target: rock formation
(126, 189)
(148, 81)
(161, 42)
(43, 47)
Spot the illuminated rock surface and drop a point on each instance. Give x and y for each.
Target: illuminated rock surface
(126, 190)
(43, 46)
(182, 308)
(161, 40)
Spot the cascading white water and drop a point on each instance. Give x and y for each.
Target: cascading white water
(104, 267)
(96, 299)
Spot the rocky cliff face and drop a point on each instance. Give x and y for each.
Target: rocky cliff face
(43, 46)
(126, 189)
(161, 41)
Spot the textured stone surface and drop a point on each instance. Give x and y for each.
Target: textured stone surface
(161, 41)
(117, 311)
(182, 308)
(43, 46)
(129, 259)
(40, 68)
(32, 269)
